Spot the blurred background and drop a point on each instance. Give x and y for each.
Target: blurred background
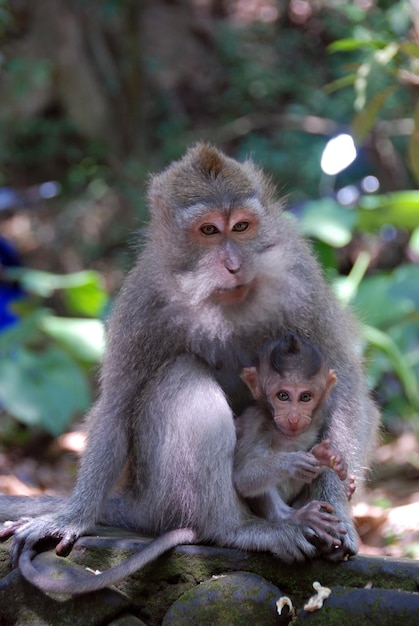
(94, 94)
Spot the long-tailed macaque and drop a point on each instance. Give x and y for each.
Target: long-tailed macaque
(222, 271)
(279, 446)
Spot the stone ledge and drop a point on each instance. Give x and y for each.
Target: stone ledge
(147, 596)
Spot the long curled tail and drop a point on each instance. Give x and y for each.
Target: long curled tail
(73, 580)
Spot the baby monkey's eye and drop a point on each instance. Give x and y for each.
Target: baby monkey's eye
(283, 396)
(209, 229)
(305, 396)
(240, 227)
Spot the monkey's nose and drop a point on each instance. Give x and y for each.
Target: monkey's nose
(232, 266)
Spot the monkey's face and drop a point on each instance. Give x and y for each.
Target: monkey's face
(214, 222)
(294, 405)
(223, 244)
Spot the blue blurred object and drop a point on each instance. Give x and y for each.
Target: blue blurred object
(12, 200)
(9, 291)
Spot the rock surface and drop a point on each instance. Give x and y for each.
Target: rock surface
(206, 585)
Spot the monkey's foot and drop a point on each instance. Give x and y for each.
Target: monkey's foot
(351, 487)
(9, 528)
(27, 532)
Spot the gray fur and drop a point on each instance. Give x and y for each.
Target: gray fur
(161, 436)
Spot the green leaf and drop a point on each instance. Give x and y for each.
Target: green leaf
(400, 208)
(406, 374)
(340, 83)
(375, 305)
(44, 389)
(84, 291)
(83, 338)
(386, 54)
(414, 242)
(326, 255)
(410, 48)
(405, 285)
(349, 44)
(88, 298)
(413, 147)
(347, 286)
(27, 329)
(364, 121)
(328, 221)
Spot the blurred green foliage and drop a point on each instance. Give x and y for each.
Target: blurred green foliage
(45, 359)
(277, 90)
(387, 303)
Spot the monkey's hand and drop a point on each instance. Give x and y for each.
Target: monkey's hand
(330, 457)
(320, 525)
(27, 532)
(299, 465)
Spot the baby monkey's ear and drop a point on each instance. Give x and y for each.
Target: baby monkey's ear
(251, 377)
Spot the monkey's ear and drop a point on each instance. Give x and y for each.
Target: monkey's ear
(331, 379)
(250, 376)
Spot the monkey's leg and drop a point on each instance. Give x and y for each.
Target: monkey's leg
(190, 464)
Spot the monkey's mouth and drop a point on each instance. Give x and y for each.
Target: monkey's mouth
(291, 433)
(232, 295)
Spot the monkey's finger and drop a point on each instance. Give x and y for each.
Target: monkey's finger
(18, 547)
(327, 517)
(332, 521)
(341, 469)
(321, 448)
(6, 533)
(325, 506)
(11, 527)
(319, 536)
(334, 524)
(66, 544)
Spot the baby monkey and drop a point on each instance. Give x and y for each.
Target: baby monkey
(279, 448)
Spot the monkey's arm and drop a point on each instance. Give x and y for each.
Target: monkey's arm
(253, 476)
(257, 467)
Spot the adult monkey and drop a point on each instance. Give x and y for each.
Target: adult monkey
(221, 272)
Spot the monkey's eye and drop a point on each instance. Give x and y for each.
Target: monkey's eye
(209, 229)
(240, 227)
(305, 396)
(283, 396)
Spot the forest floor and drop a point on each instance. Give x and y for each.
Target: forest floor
(386, 512)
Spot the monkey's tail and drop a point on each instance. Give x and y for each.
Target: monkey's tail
(73, 580)
(15, 507)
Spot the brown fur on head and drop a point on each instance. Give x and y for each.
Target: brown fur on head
(206, 176)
